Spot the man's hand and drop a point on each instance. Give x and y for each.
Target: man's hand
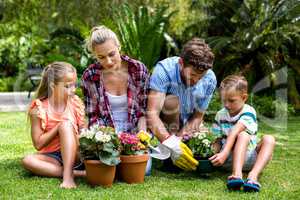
(218, 159)
(181, 155)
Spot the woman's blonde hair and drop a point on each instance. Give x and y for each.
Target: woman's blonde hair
(52, 74)
(236, 82)
(100, 34)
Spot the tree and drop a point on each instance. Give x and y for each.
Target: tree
(143, 33)
(257, 40)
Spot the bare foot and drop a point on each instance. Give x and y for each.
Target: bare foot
(68, 184)
(252, 177)
(233, 176)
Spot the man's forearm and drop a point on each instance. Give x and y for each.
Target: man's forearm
(192, 125)
(142, 124)
(157, 127)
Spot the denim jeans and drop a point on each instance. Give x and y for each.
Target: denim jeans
(149, 166)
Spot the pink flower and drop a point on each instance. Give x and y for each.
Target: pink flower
(126, 138)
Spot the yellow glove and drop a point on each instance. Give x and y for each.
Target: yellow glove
(181, 155)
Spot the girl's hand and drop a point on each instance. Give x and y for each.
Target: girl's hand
(218, 159)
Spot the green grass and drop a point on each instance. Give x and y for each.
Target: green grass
(280, 180)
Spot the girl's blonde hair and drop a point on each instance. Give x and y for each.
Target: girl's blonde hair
(52, 74)
(99, 35)
(236, 82)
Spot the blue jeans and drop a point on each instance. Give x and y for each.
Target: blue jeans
(148, 167)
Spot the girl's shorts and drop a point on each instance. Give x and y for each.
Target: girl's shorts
(57, 156)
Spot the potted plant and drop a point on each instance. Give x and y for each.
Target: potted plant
(99, 147)
(201, 144)
(134, 156)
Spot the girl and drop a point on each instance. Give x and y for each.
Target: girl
(56, 116)
(237, 124)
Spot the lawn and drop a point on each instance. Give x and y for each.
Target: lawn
(280, 180)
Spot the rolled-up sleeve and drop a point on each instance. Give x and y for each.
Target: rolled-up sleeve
(204, 93)
(159, 79)
(144, 88)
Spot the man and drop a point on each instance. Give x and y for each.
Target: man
(180, 91)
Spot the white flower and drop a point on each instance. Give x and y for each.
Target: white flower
(86, 133)
(101, 137)
(106, 138)
(90, 134)
(206, 142)
(83, 133)
(199, 135)
(98, 136)
(94, 128)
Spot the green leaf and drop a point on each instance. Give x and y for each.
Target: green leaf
(108, 147)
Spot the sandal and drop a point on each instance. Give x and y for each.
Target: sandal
(234, 183)
(251, 186)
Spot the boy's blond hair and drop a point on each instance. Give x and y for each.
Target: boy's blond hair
(236, 82)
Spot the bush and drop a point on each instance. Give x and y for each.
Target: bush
(265, 106)
(10, 84)
(7, 84)
(214, 106)
(143, 33)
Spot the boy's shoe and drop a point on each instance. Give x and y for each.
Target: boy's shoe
(234, 183)
(251, 186)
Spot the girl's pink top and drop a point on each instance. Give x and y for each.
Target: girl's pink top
(74, 112)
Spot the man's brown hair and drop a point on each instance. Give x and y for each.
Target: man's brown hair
(198, 54)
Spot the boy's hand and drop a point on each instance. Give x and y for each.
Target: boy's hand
(218, 159)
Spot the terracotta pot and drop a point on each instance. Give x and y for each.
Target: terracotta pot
(132, 168)
(98, 173)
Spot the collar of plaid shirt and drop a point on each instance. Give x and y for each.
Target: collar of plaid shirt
(137, 71)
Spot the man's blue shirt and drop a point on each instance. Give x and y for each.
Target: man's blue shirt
(166, 78)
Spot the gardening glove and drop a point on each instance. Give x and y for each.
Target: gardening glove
(160, 152)
(180, 154)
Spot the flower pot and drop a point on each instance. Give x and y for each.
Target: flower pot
(205, 166)
(98, 173)
(132, 168)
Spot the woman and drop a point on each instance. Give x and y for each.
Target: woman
(116, 86)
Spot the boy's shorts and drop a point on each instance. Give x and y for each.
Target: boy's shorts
(57, 156)
(250, 159)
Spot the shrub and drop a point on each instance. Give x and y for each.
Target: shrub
(267, 106)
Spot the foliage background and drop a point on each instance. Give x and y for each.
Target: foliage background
(253, 37)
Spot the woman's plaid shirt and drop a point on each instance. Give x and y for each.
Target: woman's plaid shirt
(97, 105)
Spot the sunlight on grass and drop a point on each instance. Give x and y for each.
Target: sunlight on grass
(280, 180)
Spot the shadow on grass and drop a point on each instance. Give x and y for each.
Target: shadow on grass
(167, 170)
